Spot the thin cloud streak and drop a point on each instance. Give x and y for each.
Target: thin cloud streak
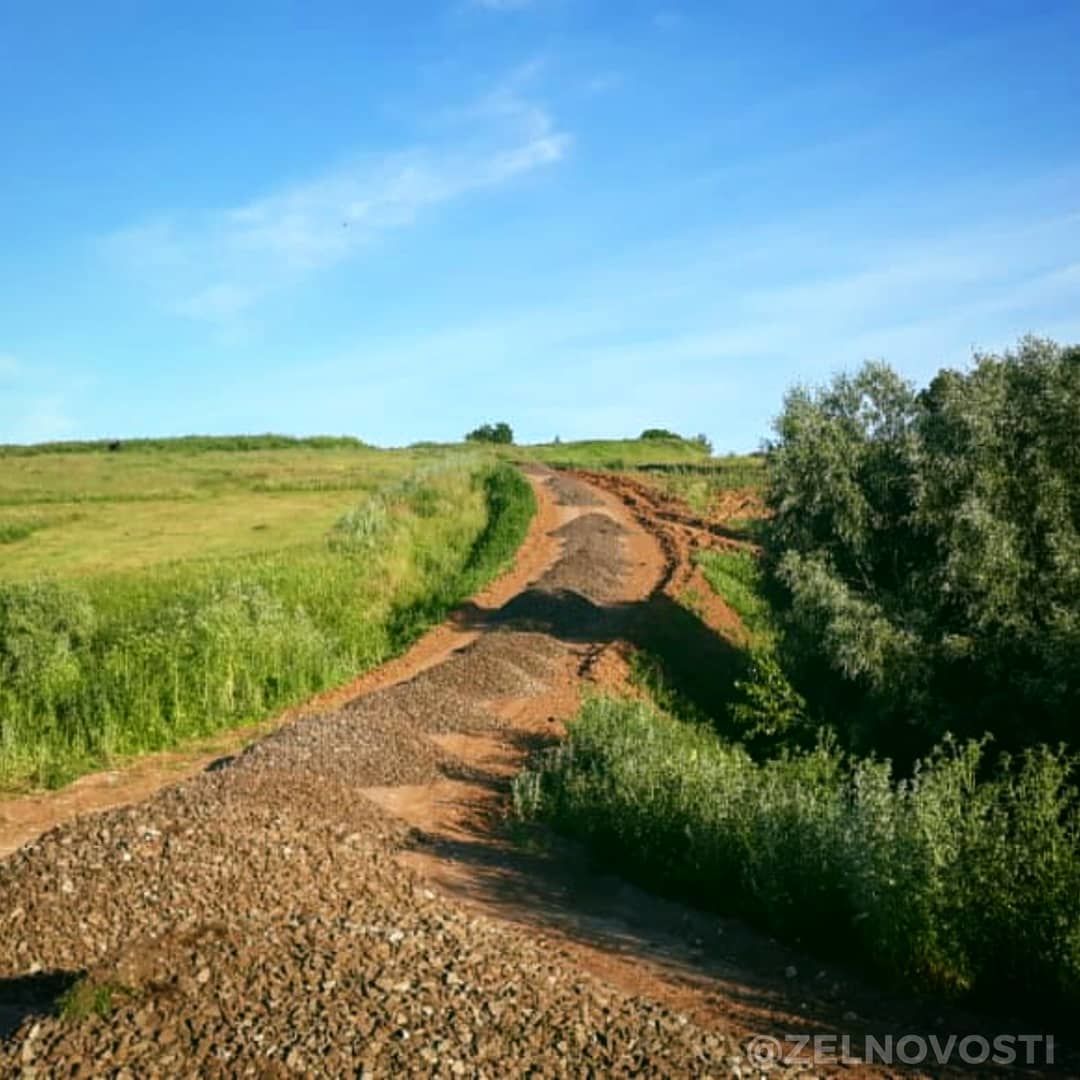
(218, 266)
(503, 5)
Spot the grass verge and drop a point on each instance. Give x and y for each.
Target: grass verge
(945, 883)
(136, 662)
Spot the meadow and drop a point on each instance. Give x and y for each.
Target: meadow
(161, 591)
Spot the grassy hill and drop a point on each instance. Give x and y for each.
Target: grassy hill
(614, 453)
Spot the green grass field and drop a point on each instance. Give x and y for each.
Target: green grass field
(164, 591)
(82, 513)
(157, 591)
(613, 453)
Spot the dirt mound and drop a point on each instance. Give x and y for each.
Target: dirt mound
(738, 504)
(570, 492)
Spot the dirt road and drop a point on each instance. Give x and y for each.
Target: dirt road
(347, 893)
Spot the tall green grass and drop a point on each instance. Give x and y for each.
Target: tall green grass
(133, 662)
(953, 881)
(700, 484)
(737, 577)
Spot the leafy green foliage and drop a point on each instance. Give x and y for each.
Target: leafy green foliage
(926, 549)
(768, 710)
(500, 433)
(660, 433)
(946, 882)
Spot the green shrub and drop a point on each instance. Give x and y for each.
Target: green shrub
(500, 433)
(767, 708)
(944, 882)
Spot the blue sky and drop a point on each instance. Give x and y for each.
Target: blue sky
(583, 217)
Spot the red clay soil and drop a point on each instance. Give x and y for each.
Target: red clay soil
(681, 534)
(350, 894)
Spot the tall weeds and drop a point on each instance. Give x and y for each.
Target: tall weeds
(945, 882)
(137, 662)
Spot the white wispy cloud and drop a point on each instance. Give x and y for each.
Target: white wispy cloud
(217, 265)
(44, 417)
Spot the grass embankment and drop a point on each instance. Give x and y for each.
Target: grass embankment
(963, 880)
(701, 485)
(126, 662)
(613, 453)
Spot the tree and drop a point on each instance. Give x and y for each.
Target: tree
(925, 550)
(493, 433)
(659, 433)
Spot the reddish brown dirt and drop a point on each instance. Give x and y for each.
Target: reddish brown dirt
(349, 894)
(737, 503)
(681, 534)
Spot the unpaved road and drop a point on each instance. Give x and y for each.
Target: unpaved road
(346, 894)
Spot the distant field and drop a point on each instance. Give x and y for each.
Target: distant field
(72, 513)
(615, 453)
(164, 590)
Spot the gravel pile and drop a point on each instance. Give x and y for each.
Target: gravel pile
(591, 564)
(254, 921)
(571, 492)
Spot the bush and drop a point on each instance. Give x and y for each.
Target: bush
(659, 433)
(925, 549)
(501, 433)
(945, 882)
